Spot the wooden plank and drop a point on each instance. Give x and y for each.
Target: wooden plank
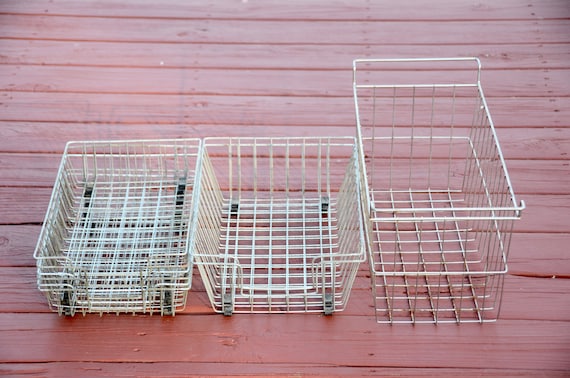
(544, 213)
(177, 81)
(539, 176)
(533, 298)
(28, 169)
(102, 369)
(244, 56)
(243, 110)
(528, 255)
(198, 109)
(40, 137)
(52, 137)
(298, 9)
(17, 244)
(251, 339)
(363, 32)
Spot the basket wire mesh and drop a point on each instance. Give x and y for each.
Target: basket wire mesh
(117, 236)
(280, 224)
(439, 205)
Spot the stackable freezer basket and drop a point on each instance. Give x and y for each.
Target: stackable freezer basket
(118, 233)
(279, 224)
(439, 202)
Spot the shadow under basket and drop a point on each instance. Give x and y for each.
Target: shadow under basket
(117, 234)
(280, 226)
(439, 203)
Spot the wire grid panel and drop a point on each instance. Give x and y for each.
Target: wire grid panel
(280, 226)
(117, 236)
(440, 205)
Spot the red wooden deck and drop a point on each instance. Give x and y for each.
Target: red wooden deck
(116, 69)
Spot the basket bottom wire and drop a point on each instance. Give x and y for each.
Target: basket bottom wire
(429, 268)
(276, 254)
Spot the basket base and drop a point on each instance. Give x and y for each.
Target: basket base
(277, 255)
(431, 266)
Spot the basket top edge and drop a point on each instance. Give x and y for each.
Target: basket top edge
(166, 142)
(333, 140)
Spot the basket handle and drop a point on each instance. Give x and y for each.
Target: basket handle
(414, 65)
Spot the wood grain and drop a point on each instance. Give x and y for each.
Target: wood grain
(298, 9)
(199, 82)
(327, 32)
(182, 369)
(240, 110)
(268, 56)
(211, 338)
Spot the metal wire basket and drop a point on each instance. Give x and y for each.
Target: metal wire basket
(439, 202)
(280, 226)
(117, 236)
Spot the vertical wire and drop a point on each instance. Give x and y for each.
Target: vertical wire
(397, 247)
(287, 220)
(165, 231)
(373, 138)
(303, 217)
(270, 241)
(239, 173)
(137, 224)
(411, 165)
(103, 224)
(493, 187)
(411, 161)
(392, 139)
(431, 126)
(475, 187)
(329, 223)
(320, 195)
(254, 154)
(235, 258)
(121, 228)
(470, 158)
(479, 178)
(451, 140)
(420, 261)
(230, 169)
(155, 244)
(225, 279)
(77, 254)
(253, 256)
(442, 263)
(330, 232)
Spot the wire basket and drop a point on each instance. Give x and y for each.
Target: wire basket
(439, 204)
(117, 236)
(280, 226)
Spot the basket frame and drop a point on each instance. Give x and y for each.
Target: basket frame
(426, 243)
(277, 243)
(118, 233)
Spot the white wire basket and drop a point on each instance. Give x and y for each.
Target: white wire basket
(280, 226)
(118, 233)
(439, 206)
